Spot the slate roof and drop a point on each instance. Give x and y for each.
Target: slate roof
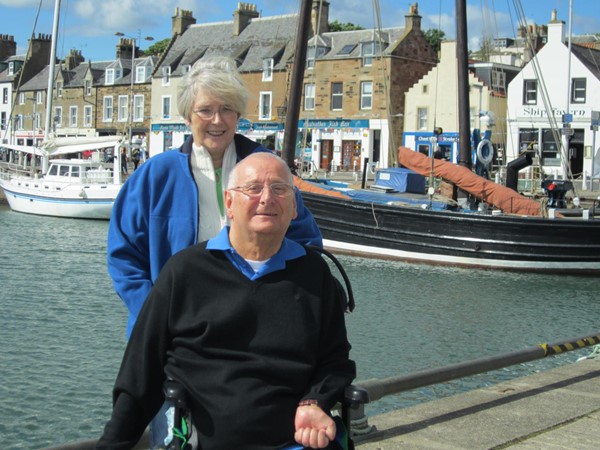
(346, 44)
(589, 57)
(268, 37)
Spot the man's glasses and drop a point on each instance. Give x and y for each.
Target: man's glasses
(256, 189)
(208, 113)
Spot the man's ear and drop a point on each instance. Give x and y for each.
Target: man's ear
(228, 202)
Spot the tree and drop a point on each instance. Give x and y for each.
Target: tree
(338, 26)
(434, 38)
(157, 48)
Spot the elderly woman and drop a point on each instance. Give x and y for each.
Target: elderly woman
(175, 199)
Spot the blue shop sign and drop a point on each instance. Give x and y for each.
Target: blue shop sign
(336, 123)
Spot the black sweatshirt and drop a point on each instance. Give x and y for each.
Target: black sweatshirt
(246, 351)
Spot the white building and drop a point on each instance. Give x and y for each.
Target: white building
(553, 90)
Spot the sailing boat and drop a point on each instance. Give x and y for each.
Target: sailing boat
(72, 188)
(379, 225)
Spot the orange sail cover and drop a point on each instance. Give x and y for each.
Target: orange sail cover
(305, 186)
(501, 197)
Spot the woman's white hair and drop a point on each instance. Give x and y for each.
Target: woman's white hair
(218, 77)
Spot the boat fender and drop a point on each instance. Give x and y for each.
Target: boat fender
(485, 159)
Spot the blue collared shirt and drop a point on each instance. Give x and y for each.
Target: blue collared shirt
(289, 250)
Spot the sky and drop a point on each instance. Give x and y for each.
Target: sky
(90, 25)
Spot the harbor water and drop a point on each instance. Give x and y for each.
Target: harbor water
(62, 327)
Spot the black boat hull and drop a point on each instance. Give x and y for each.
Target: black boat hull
(457, 238)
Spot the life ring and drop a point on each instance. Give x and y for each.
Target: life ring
(485, 159)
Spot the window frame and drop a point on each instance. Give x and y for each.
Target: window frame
(337, 97)
(366, 95)
(307, 97)
(530, 92)
(265, 105)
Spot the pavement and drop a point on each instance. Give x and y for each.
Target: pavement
(554, 409)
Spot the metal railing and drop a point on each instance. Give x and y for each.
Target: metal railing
(363, 392)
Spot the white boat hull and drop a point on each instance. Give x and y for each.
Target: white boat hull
(74, 201)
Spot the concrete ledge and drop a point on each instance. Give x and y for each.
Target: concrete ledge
(558, 408)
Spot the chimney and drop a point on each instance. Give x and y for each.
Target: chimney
(556, 29)
(319, 18)
(125, 49)
(39, 49)
(242, 16)
(73, 59)
(181, 21)
(8, 46)
(413, 19)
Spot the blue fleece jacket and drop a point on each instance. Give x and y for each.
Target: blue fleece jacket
(156, 215)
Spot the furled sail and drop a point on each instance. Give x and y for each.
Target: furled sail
(501, 197)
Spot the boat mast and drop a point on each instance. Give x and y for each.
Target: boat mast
(50, 93)
(295, 94)
(464, 119)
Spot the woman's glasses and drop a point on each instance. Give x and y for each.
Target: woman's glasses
(208, 113)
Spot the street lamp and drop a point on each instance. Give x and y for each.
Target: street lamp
(132, 75)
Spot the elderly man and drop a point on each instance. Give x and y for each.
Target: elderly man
(249, 322)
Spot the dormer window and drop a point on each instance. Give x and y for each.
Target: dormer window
(313, 53)
(186, 68)
(166, 75)
(140, 74)
(368, 50)
(11, 68)
(59, 88)
(267, 69)
(110, 76)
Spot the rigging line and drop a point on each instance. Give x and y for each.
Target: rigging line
(11, 123)
(437, 73)
(543, 88)
(393, 150)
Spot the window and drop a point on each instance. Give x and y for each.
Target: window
(498, 81)
(37, 120)
(366, 94)
(578, 90)
(11, 68)
(529, 92)
(59, 88)
(58, 117)
(138, 108)
(19, 122)
(368, 50)
(107, 109)
(123, 110)
(73, 116)
(267, 69)
(87, 116)
(550, 149)
(39, 97)
(309, 96)
(421, 119)
(425, 89)
(88, 87)
(347, 49)
(337, 96)
(21, 98)
(186, 68)
(166, 76)
(166, 107)
(140, 74)
(110, 76)
(5, 96)
(264, 106)
(313, 53)
(3, 120)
